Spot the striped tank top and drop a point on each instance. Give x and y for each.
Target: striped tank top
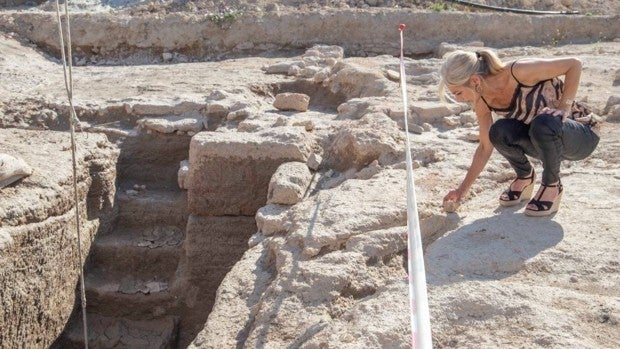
(528, 101)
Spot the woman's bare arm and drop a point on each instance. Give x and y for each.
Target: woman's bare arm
(480, 158)
(531, 71)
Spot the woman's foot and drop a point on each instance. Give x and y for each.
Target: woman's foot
(520, 190)
(546, 201)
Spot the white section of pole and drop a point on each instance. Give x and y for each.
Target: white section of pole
(420, 318)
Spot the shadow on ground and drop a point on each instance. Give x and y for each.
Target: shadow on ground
(490, 248)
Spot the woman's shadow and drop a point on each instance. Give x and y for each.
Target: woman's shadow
(490, 248)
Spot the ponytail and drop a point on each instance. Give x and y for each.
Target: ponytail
(459, 66)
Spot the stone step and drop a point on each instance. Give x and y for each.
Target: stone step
(133, 296)
(146, 251)
(153, 159)
(120, 333)
(151, 207)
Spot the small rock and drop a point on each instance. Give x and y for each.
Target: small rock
(392, 75)
(307, 124)
(294, 70)
(417, 129)
(12, 169)
(182, 174)
(292, 101)
(369, 171)
(289, 183)
(472, 136)
(281, 121)
(451, 206)
(314, 161)
(614, 113)
(451, 121)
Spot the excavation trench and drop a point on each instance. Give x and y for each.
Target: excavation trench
(152, 273)
(153, 270)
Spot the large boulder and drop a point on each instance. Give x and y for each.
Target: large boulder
(358, 143)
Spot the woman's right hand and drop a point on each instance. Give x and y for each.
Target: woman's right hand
(452, 201)
(454, 196)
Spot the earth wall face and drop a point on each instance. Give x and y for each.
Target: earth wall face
(38, 235)
(142, 39)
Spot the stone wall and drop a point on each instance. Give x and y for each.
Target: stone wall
(99, 36)
(228, 180)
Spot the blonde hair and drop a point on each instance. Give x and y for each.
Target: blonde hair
(459, 66)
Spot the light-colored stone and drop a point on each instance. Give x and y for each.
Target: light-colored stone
(468, 117)
(171, 124)
(473, 136)
(326, 51)
(354, 81)
(433, 112)
(372, 137)
(12, 169)
(314, 161)
(229, 172)
(292, 101)
(417, 129)
(182, 174)
(451, 206)
(369, 171)
(452, 121)
(272, 219)
(283, 67)
(445, 48)
(289, 183)
(611, 102)
(353, 108)
(6, 240)
(307, 124)
(614, 113)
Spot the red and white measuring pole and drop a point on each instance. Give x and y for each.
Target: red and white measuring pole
(420, 318)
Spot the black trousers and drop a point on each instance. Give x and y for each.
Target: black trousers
(546, 138)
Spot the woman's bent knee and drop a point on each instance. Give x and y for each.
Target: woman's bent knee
(500, 130)
(545, 125)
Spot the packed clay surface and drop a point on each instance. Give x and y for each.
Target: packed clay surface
(273, 189)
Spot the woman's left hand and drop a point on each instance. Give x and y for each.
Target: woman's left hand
(557, 112)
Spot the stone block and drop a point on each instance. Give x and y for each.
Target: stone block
(215, 242)
(230, 171)
(289, 183)
(292, 101)
(433, 112)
